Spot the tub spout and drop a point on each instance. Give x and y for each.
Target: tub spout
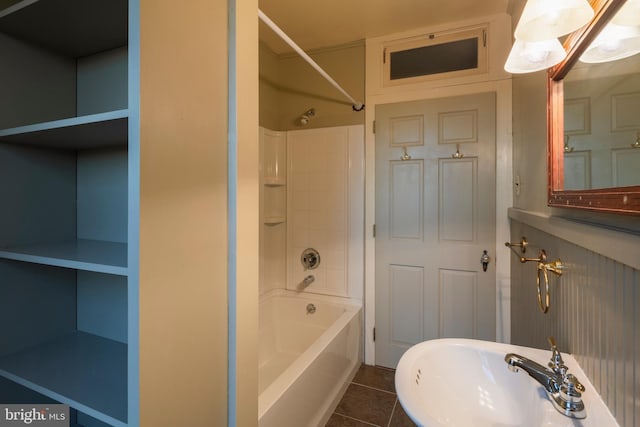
(307, 281)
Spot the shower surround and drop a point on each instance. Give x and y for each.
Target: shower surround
(325, 208)
(317, 202)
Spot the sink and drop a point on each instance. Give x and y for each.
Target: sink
(462, 382)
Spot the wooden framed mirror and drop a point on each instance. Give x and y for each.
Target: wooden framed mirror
(576, 120)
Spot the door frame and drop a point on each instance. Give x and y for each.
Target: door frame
(504, 195)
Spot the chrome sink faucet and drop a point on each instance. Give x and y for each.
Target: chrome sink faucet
(564, 389)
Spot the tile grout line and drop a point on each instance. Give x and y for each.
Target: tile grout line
(395, 403)
(357, 419)
(374, 388)
(392, 412)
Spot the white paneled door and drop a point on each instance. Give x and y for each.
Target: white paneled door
(435, 215)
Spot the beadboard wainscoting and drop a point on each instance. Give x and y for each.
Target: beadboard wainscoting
(594, 314)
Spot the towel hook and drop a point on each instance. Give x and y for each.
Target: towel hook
(522, 245)
(405, 155)
(567, 148)
(542, 257)
(457, 154)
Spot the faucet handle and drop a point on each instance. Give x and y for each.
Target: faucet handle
(568, 399)
(556, 363)
(574, 386)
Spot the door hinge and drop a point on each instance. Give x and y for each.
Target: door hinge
(374, 334)
(374, 126)
(374, 230)
(484, 38)
(384, 55)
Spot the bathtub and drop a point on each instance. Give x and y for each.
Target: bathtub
(306, 360)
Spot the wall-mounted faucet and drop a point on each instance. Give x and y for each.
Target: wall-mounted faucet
(304, 284)
(564, 390)
(307, 281)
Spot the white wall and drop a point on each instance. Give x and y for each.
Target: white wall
(530, 141)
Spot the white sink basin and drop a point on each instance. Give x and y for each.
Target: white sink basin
(459, 382)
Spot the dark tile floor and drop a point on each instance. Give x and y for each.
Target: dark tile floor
(370, 400)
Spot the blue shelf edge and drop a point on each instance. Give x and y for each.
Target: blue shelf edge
(65, 123)
(75, 368)
(82, 132)
(87, 255)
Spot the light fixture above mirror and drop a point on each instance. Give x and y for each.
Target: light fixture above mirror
(550, 19)
(536, 46)
(619, 39)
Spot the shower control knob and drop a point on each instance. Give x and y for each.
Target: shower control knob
(310, 259)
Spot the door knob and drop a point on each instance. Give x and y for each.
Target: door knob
(484, 260)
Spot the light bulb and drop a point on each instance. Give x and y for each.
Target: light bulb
(535, 56)
(614, 42)
(527, 57)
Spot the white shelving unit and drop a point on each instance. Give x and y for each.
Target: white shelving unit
(273, 206)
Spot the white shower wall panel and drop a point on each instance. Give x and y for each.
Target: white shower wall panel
(325, 208)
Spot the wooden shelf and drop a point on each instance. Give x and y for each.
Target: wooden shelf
(74, 28)
(82, 370)
(87, 255)
(92, 131)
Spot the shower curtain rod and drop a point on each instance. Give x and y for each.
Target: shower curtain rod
(357, 105)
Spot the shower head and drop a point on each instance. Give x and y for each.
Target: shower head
(304, 119)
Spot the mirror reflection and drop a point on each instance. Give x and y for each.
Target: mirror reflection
(602, 125)
(602, 108)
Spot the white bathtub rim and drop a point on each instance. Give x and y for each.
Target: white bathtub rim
(280, 385)
(354, 303)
